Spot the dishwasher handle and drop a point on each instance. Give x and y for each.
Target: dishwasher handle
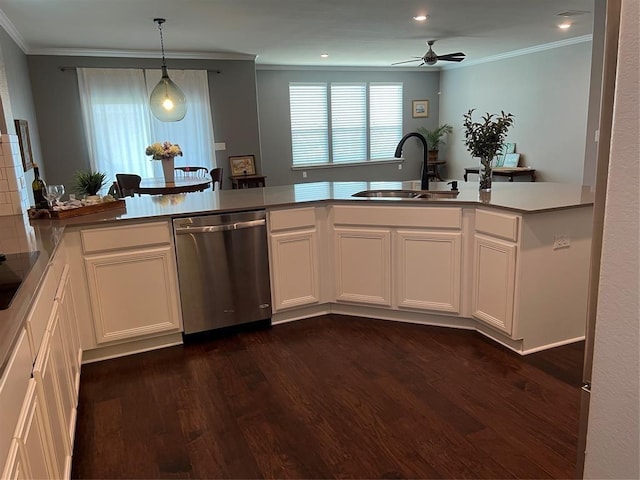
(219, 228)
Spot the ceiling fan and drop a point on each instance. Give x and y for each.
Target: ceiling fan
(430, 58)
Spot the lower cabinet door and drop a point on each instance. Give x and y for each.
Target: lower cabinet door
(295, 269)
(428, 266)
(50, 395)
(133, 293)
(494, 282)
(33, 442)
(363, 265)
(15, 467)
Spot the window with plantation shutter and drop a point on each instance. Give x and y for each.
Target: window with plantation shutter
(309, 123)
(344, 123)
(385, 118)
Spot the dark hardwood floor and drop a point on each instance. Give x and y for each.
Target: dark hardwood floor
(331, 397)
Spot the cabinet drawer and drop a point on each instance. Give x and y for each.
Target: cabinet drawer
(497, 224)
(424, 217)
(125, 236)
(39, 315)
(290, 219)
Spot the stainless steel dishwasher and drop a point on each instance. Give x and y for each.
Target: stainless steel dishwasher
(223, 270)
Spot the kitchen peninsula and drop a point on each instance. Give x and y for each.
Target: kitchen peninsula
(512, 265)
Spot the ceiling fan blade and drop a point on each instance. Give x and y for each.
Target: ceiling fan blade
(451, 57)
(407, 61)
(457, 54)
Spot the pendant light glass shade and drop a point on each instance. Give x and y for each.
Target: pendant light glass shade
(167, 102)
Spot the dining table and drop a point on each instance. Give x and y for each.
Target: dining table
(158, 185)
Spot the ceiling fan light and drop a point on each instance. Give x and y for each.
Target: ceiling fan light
(167, 101)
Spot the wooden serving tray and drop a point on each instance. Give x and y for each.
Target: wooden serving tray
(76, 212)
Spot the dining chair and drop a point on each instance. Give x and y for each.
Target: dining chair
(128, 184)
(200, 172)
(216, 176)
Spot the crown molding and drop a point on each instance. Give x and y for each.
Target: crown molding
(12, 32)
(81, 52)
(338, 68)
(523, 51)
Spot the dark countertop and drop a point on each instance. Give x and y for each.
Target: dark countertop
(44, 235)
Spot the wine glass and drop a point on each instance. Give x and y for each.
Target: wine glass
(54, 192)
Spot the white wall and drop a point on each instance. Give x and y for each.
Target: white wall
(613, 431)
(547, 92)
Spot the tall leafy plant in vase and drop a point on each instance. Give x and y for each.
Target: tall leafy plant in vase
(484, 140)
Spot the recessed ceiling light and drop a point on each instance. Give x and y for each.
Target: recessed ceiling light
(324, 55)
(420, 18)
(564, 25)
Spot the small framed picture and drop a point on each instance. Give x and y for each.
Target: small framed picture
(511, 160)
(22, 129)
(242, 165)
(420, 108)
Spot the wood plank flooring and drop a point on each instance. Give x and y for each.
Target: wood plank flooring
(331, 397)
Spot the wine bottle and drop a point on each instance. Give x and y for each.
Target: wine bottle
(39, 188)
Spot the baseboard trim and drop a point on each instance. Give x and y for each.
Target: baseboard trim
(131, 348)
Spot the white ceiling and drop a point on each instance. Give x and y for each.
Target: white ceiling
(359, 33)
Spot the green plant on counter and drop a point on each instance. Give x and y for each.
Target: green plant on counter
(89, 183)
(435, 137)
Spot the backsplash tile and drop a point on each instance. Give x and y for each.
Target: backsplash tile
(13, 188)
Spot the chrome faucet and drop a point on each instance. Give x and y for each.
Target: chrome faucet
(424, 184)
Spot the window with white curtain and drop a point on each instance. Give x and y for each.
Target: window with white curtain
(119, 125)
(344, 123)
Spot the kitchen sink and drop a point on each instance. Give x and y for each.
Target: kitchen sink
(416, 194)
(388, 193)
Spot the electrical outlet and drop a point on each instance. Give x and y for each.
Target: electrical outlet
(399, 166)
(561, 241)
(304, 174)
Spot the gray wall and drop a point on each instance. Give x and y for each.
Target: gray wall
(275, 125)
(548, 93)
(57, 104)
(21, 100)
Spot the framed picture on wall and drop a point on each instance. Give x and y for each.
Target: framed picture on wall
(242, 165)
(22, 129)
(420, 108)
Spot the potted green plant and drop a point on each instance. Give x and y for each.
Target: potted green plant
(89, 183)
(435, 138)
(485, 139)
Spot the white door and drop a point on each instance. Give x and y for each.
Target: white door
(133, 293)
(295, 269)
(428, 270)
(363, 265)
(494, 282)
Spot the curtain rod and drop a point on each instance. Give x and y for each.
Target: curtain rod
(70, 69)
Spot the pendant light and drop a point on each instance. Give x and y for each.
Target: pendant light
(167, 101)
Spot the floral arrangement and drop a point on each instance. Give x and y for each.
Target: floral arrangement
(484, 139)
(162, 151)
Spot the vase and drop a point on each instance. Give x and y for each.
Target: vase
(168, 170)
(486, 174)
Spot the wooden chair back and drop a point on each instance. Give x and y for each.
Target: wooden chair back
(200, 172)
(216, 176)
(128, 184)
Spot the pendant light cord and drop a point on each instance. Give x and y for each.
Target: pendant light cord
(160, 21)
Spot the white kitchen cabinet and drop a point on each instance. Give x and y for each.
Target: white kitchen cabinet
(363, 265)
(132, 281)
(69, 328)
(494, 282)
(295, 270)
(15, 467)
(51, 389)
(32, 439)
(427, 270)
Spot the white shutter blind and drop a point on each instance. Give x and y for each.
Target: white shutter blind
(309, 123)
(349, 122)
(385, 118)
